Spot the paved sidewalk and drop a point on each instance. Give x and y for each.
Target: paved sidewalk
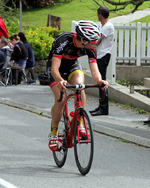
(130, 17)
(120, 123)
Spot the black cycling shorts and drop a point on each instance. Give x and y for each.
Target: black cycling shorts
(67, 72)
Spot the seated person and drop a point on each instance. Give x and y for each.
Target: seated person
(3, 47)
(19, 54)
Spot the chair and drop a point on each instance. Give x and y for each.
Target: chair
(6, 76)
(5, 70)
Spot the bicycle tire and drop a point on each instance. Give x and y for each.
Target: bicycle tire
(84, 151)
(61, 155)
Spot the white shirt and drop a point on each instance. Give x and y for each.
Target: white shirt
(106, 44)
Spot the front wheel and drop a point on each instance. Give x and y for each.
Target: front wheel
(61, 155)
(84, 146)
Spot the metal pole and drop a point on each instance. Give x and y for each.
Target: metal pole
(20, 15)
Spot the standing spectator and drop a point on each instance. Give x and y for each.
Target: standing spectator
(31, 58)
(19, 54)
(104, 47)
(3, 29)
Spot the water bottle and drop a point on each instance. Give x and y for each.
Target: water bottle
(71, 116)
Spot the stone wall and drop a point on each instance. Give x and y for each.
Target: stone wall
(132, 73)
(40, 67)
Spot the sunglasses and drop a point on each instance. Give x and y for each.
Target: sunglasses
(93, 41)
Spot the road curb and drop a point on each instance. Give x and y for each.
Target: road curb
(123, 135)
(27, 107)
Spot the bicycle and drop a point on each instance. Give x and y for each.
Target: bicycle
(69, 136)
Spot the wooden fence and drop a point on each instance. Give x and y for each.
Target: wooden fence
(132, 44)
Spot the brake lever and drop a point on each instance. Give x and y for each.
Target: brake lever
(61, 96)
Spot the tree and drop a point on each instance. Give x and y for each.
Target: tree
(33, 3)
(122, 4)
(6, 12)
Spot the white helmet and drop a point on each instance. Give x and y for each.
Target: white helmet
(87, 30)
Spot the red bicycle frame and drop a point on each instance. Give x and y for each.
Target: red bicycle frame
(71, 124)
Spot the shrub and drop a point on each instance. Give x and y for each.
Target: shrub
(41, 40)
(12, 27)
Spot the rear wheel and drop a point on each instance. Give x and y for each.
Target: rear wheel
(61, 155)
(84, 146)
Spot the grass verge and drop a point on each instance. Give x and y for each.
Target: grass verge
(74, 10)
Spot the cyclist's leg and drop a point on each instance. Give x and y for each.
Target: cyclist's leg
(57, 108)
(56, 113)
(77, 76)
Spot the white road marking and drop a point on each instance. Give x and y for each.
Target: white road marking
(6, 184)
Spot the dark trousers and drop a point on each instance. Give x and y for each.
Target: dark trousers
(102, 66)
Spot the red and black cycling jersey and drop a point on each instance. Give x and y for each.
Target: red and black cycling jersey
(64, 48)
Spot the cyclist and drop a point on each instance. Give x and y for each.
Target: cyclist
(66, 48)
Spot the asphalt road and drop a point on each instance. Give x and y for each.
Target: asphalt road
(26, 162)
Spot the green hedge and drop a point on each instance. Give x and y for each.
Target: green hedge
(41, 40)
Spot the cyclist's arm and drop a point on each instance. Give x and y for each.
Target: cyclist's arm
(55, 72)
(95, 72)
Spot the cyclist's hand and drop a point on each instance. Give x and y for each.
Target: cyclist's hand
(61, 85)
(105, 83)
